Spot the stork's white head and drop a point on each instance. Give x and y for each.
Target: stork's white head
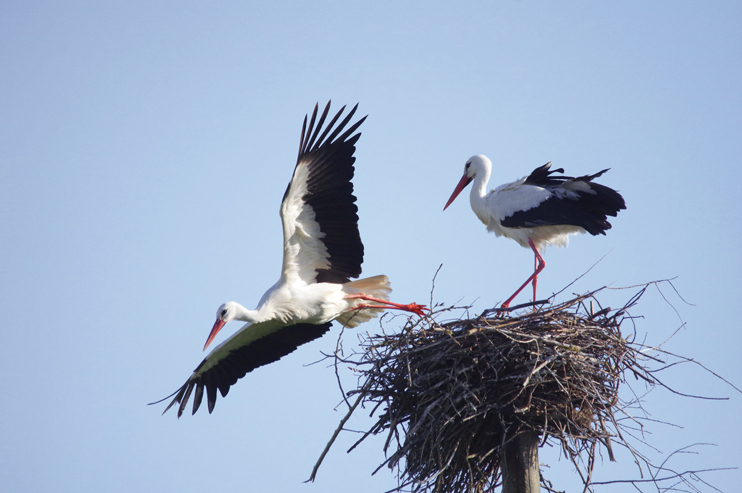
(226, 313)
(478, 165)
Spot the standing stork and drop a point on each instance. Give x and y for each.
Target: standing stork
(322, 251)
(540, 209)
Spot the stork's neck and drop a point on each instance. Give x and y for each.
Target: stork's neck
(479, 192)
(239, 312)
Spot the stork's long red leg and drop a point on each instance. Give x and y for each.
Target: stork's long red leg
(535, 279)
(389, 305)
(539, 264)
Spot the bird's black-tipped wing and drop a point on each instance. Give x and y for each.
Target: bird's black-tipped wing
(567, 201)
(320, 218)
(233, 359)
(542, 177)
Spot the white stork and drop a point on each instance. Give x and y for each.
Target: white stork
(322, 251)
(540, 209)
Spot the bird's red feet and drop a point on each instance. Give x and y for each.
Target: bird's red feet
(418, 310)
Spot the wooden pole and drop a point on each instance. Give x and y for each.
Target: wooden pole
(520, 472)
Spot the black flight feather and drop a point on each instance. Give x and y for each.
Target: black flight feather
(587, 210)
(242, 360)
(329, 160)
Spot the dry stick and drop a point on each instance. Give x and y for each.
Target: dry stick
(655, 480)
(512, 308)
(581, 275)
(339, 350)
(432, 287)
(335, 435)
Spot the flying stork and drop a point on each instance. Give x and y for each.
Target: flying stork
(540, 209)
(322, 251)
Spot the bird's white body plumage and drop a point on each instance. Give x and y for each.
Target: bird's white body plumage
(287, 304)
(494, 206)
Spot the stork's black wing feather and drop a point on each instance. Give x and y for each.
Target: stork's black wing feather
(239, 362)
(541, 177)
(585, 204)
(327, 155)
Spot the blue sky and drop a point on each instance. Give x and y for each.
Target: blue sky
(145, 148)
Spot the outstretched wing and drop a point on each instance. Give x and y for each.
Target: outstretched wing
(320, 221)
(253, 346)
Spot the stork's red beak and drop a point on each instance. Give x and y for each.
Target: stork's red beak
(214, 331)
(465, 180)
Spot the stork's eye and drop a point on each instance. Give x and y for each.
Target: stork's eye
(466, 167)
(224, 313)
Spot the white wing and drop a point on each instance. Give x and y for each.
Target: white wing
(506, 200)
(319, 214)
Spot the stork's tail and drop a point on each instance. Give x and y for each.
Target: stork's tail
(587, 204)
(599, 202)
(377, 287)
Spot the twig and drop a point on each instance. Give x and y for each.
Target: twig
(334, 436)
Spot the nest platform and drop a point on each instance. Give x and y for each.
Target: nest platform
(450, 396)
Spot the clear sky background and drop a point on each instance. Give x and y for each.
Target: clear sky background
(145, 148)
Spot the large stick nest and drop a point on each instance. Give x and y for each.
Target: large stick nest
(454, 393)
(449, 396)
